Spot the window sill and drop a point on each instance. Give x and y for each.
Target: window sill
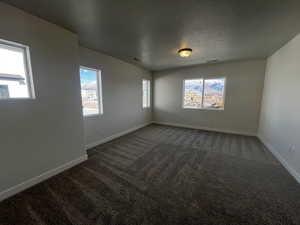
(92, 116)
(16, 99)
(205, 109)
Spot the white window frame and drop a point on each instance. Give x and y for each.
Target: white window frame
(10, 45)
(99, 91)
(148, 103)
(203, 91)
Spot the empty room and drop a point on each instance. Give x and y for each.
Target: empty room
(182, 112)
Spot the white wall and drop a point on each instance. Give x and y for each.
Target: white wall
(244, 85)
(41, 134)
(280, 115)
(122, 97)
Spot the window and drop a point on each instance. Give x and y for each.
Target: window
(15, 71)
(193, 93)
(204, 93)
(91, 92)
(214, 93)
(146, 93)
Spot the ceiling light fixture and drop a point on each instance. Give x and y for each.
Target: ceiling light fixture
(185, 52)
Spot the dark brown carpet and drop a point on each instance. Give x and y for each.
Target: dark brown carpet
(164, 175)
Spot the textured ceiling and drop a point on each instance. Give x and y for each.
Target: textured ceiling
(153, 30)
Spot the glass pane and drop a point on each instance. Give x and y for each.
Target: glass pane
(149, 93)
(145, 93)
(214, 93)
(89, 91)
(193, 93)
(4, 92)
(13, 80)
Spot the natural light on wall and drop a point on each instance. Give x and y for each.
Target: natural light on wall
(15, 71)
(204, 93)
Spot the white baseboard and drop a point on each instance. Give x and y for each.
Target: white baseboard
(114, 136)
(44, 176)
(282, 160)
(205, 128)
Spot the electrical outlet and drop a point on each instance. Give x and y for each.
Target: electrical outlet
(292, 148)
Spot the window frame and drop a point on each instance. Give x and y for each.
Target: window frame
(148, 106)
(203, 92)
(25, 50)
(99, 91)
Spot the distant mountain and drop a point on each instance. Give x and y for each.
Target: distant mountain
(210, 87)
(89, 86)
(216, 86)
(193, 87)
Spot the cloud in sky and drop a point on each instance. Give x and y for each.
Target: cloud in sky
(88, 76)
(89, 85)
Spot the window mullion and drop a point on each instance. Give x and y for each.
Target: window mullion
(148, 93)
(203, 85)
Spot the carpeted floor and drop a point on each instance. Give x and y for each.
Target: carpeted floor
(162, 175)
